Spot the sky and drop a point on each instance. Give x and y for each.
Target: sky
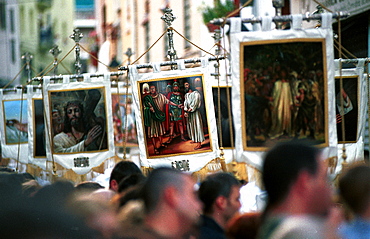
(12, 110)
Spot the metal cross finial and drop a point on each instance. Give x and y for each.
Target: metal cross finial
(129, 53)
(28, 57)
(55, 52)
(217, 36)
(77, 35)
(168, 17)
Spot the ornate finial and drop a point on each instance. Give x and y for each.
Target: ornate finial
(129, 53)
(28, 57)
(168, 17)
(77, 35)
(217, 35)
(55, 52)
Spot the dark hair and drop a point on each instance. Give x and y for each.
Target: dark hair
(215, 185)
(354, 188)
(158, 180)
(88, 186)
(130, 180)
(281, 167)
(67, 124)
(123, 169)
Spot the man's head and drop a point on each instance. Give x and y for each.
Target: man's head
(219, 193)
(57, 119)
(171, 190)
(187, 87)
(175, 86)
(153, 89)
(295, 167)
(120, 171)
(73, 113)
(354, 188)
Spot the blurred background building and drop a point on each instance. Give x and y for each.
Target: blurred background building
(114, 29)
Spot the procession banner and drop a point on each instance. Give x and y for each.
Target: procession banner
(353, 112)
(36, 127)
(14, 121)
(123, 113)
(83, 138)
(283, 83)
(176, 121)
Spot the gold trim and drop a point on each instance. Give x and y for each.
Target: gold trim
(325, 84)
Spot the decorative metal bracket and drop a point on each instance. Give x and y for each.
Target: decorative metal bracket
(182, 165)
(77, 36)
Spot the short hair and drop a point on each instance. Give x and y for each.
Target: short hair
(282, 165)
(123, 169)
(215, 185)
(157, 181)
(130, 181)
(354, 188)
(88, 186)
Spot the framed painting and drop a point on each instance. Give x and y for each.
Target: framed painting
(78, 120)
(16, 121)
(347, 113)
(283, 91)
(174, 115)
(124, 123)
(225, 106)
(39, 149)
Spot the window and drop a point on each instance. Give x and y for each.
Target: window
(13, 55)
(2, 16)
(12, 28)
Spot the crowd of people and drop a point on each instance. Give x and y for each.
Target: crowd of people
(169, 203)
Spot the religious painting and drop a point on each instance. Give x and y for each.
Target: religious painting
(347, 108)
(39, 128)
(124, 123)
(174, 115)
(78, 120)
(16, 121)
(222, 102)
(283, 91)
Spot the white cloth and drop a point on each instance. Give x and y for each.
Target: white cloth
(194, 123)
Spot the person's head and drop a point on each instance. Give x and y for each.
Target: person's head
(244, 226)
(175, 86)
(296, 166)
(219, 193)
(57, 119)
(120, 171)
(145, 88)
(187, 87)
(73, 113)
(130, 181)
(173, 191)
(354, 188)
(88, 186)
(153, 89)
